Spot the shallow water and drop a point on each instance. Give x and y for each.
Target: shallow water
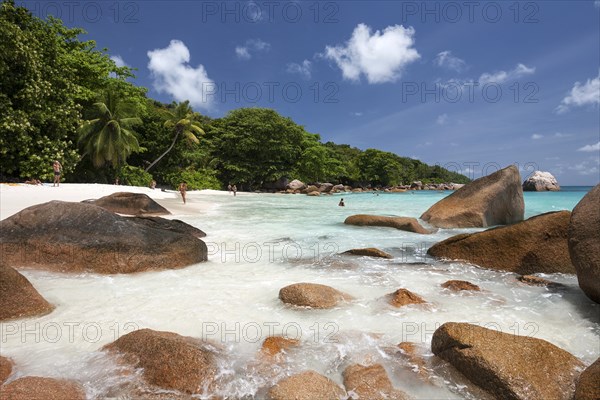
(261, 243)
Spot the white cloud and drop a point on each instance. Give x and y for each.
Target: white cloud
(536, 136)
(590, 147)
(251, 47)
(358, 114)
(597, 3)
(500, 77)
(562, 135)
(303, 69)
(442, 119)
(119, 61)
(445, 59)
(380, 56)
(172, 74)
(581, 95)
(585, 168)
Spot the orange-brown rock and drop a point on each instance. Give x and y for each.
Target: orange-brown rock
(5, 369)
(495, 199)
(457, 286)
(18, 297)
(370, 382)
(588, 384)
(584, 243)
(130, 204)
(369, 252)
(402, 223)
(312, 295)
(274, 345)
(169, 360)
(77, 237)
(403, 297)
(307, 385)
(508, 366)
(416, 361)
(537, 281)
(315, 193)
(538, 244)
(37, 388)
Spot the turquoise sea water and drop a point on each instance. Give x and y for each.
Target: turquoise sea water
(259, 243)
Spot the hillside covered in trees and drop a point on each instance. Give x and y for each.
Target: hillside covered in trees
(62, 99)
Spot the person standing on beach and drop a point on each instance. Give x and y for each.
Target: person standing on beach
(182, 190)
(57, 172)
(234, 189)
(229, 188)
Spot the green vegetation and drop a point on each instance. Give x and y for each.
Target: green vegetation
(62, 99)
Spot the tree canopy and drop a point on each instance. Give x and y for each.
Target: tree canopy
(57, 91)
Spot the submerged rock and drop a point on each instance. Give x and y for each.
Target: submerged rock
(403, 297)
(538, 244)
(130, 204)
(496, 199)
(76, 237)
(369, 252)
(537, 281)
(5, 369)
(34, 388)
(457, 286)
(312, 295)
(506, 365)
(403, 223)
(308, 385)
(274, 345)
(541, 181)
(588, 384)
(18, 297)
(584, 243)
(169, 360)
(370, 382)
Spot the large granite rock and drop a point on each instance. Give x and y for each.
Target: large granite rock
(541, 181)
(370, 382)
(18, 297)
(307, 385)
(588, 384)
(369, 252)
(173, 225)
(312, 295)
(5, 369)
(325, 187)
(584, 243)
(37, 388)
(495, 199)
(168, 360)
(538, 244)
(76, 237)
(296, 185)
(506, 365)
(403, 223)
(130, 204)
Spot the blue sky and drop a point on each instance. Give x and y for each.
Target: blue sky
(472, 86)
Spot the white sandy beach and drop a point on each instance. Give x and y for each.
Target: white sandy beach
(16, 197)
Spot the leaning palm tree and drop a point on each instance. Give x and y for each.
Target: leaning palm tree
(181, 122)
(108, 137)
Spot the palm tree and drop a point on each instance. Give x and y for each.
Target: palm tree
(182, 122)
(107, 137)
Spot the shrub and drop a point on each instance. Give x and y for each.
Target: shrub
(134, 176)
(196, 180)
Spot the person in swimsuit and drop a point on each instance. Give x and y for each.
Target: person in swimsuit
(182, 190)
(57, 172)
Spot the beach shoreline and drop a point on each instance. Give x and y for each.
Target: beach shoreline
(17, 197)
